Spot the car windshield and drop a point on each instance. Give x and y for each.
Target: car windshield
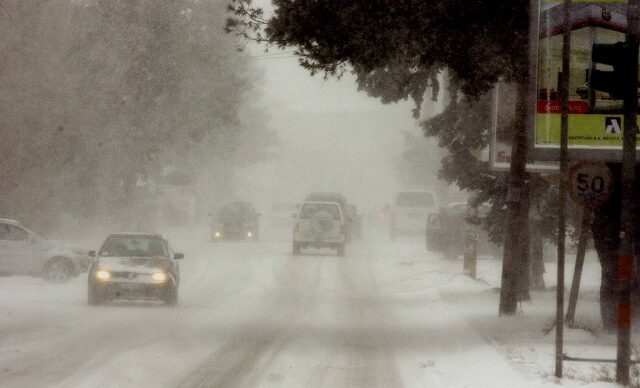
(309, 209)
(415, 199)
(234, 209)
(134, 246)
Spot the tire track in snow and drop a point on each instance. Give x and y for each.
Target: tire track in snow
(244, 359)
(363, 359)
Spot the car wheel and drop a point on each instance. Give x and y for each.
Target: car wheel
(171, 297)
(296, 249)
(341, 250)
(58, 271)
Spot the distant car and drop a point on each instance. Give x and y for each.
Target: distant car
(320, 225)
(236, 221)
(448, 230)
(344, 207)
(409, 212)
(23, 252)
(280, 215)
(134, 266)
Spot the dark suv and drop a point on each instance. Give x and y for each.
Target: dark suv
(236, 221)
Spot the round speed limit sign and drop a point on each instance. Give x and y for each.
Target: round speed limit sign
(590, 183)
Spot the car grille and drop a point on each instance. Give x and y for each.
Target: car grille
(125, 275)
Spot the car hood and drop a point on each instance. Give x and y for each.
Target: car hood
(133, 264)
(58, 247)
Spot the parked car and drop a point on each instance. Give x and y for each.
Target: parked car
(320, 225)
(134, 266)
(344, 207)
(236, 221)
(449, 230)
(24, 252)
(409, 212)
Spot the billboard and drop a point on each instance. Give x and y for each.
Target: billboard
(595, 108)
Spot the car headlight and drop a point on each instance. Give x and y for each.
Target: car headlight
(216, 235)
(249, 234)
(159, 277)
(103, 275)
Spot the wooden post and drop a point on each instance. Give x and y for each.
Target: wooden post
(577, 271)
(470, 253)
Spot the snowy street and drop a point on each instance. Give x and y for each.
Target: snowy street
(251, 314)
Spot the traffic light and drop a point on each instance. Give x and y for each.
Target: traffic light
(610, 81)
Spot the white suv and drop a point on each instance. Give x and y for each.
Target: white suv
(409, 212)
(23, 252)
(320, 225)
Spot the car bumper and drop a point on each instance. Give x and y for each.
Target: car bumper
(321, 243)
(130, 290)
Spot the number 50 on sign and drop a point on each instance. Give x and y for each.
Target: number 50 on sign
(590, 183)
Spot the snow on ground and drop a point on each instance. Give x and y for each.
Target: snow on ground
(250, 314)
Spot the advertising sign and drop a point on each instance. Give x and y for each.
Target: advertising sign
(595, 104)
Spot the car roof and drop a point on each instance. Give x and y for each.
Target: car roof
(135, 234)
(323, 203)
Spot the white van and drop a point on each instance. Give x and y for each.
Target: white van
(409, 212)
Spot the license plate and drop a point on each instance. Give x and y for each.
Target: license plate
(129, 286)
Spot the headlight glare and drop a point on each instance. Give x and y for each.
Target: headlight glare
(103, 275)
(159, 277)
(249, 234)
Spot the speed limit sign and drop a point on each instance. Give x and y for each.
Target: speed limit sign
(590, 183)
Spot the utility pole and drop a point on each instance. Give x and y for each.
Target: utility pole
(625, 260)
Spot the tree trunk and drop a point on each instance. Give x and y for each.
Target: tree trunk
(536, 262)
(516, 217)
(524, 253)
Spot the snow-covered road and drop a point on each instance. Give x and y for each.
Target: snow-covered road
(251, 314)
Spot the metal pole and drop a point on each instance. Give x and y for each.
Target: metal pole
(577, 271)
(625, 259)
(564, 139)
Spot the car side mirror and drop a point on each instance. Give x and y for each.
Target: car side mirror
(178, 256)
(92, 253)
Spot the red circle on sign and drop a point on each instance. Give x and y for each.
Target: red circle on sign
(590, 183)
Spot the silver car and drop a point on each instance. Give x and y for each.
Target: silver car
(23, 252)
